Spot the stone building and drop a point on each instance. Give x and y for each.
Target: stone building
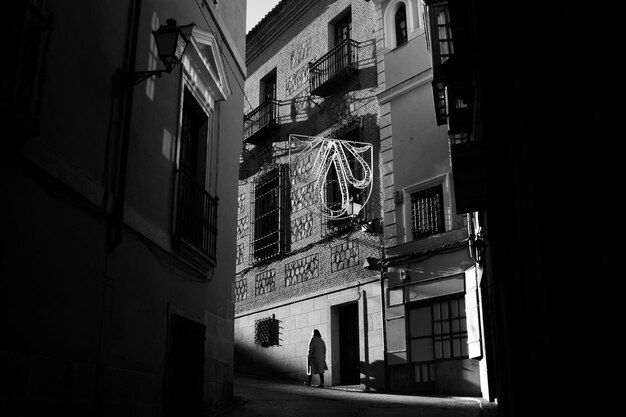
(311, 71)
(396, 284)
(116, 251)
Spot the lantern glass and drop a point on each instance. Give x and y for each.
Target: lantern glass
(171, 43)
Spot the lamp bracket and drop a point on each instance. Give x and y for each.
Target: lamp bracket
(140, 76)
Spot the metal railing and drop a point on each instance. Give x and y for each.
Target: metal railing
(266, 113)
(28, 31)
(196, 219)
(342, 57)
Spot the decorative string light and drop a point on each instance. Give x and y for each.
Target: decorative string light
(333, 154)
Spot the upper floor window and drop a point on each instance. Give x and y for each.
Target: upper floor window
(334, 193)
(204, 84)
(441, 32)
(343, 28)
(400, 25)
(400, 22)
(27, 32)
(427, 213)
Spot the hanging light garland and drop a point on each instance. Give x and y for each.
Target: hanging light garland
(334, 154)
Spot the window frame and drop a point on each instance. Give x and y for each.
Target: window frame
(282, 208)
(203, 81)
(407, 193)
(423, 373)
(414, 28)
(399, 31)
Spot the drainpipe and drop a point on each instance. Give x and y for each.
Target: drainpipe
(128, 89)
(383, 304)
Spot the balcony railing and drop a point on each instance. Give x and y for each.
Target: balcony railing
(196, 216)
(338, 63)
(259, 120)
(28, 31)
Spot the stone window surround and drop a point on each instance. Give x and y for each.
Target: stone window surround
(414, 25)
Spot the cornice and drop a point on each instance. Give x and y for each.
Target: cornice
(274, 25)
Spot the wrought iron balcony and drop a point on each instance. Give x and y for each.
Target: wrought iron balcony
(28, 31)
(338, 63)
(196, 221)
(260, 121)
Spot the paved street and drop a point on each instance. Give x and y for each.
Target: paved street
(257, 397)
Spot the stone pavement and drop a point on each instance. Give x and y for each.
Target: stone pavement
(258, 397)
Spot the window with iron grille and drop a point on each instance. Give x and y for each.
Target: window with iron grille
(267, 332)
(333, 190)
(427, 216)
(271, 199)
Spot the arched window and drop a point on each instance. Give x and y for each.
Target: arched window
(400, 24)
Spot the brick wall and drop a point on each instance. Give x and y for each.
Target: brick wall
(319, 271)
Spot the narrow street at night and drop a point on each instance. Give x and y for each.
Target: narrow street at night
(272, 398)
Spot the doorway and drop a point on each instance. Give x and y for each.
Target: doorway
(349, 368)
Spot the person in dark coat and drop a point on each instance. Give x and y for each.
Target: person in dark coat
(316, 358)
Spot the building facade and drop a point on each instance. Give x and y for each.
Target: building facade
(541, 183)
(312, 72)
(409, 288)
(432, 314)
(117, 255)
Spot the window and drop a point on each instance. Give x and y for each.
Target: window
(204, 85)
(333, 189)
(400, 25)
(269, 105)
(196, 209)
(271, 214)
(26, 31)
(427, 213)
(265, 116)
(267, 332)
(437, 332)
(343, 28)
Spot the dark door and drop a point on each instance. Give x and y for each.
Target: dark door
(184, 368)
(349, 372)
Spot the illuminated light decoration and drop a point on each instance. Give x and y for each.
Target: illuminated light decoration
(333, 154)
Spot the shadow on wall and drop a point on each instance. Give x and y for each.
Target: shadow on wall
(373, 375)
(256, 360)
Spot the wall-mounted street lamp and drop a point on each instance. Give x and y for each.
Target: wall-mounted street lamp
(171, 45)
(478, 246)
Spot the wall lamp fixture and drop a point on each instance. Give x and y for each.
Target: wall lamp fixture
(171, 45)
(477, 246)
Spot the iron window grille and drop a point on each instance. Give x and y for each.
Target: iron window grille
(267, 331)
(271, 197)
(333, 194)
(442, 49)
(28, 32)
(427, 215)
